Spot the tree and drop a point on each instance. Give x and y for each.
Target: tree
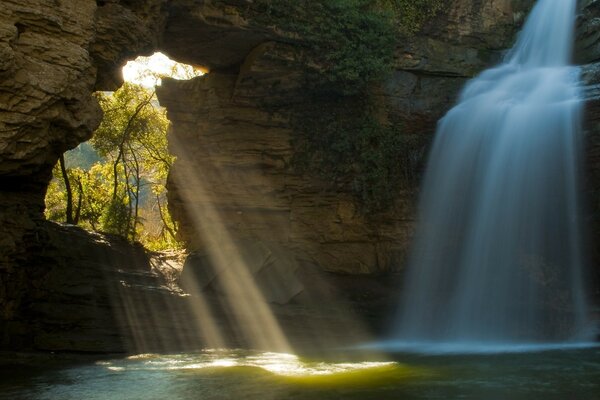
(125, 188)
(68, 191)
(133, 137)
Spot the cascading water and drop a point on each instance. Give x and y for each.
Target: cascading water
(498, 253)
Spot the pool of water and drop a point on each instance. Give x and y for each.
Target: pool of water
(570, 374)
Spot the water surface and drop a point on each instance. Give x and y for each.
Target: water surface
(564, 375)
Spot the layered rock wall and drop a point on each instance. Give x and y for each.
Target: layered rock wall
(233, 175)
(86, 292)
(53, 55)
(240, 151)
(587, 53)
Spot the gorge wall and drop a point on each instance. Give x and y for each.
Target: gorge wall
(234, 169)
(54, 54)
(588, 55)
(241, 148)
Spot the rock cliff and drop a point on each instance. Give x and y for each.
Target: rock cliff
(241, 151)
(56, 53)
(53, 55)
(588, 55)
(86, 292)
(233, 172)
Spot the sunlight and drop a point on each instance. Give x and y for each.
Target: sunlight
(204, 322)
(282, 364)
(154, 317)
(236, 221)
(148, 71)
(251, 316)
(251, 289)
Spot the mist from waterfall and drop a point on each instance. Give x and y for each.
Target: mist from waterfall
(498, 252)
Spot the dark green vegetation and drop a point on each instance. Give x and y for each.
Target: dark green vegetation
(348, 44)
(347, 47)
(116, 182)
(350, 148)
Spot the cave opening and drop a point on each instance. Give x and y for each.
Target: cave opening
(116, 181)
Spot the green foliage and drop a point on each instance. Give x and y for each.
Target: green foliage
(91, 189)
(132, 136)
(95, 189)
(122, 191)
(351, 148)
(56, 197)
(83, 156)
(116, 217)
(347, 43)
(347, 46)
(356, 51)
(130, 117)
(411, 15)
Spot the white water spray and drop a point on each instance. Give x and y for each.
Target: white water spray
(498, 253)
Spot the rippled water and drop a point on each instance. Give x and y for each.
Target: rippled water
(565, 375)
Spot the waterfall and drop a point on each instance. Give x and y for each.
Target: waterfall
(498, 250)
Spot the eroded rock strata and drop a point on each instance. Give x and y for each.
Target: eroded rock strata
(87, 292)
(242, 151)
(55, 53)
(588, 54)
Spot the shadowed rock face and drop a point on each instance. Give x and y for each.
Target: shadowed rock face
(87, 292)
(55, 53)
(46, 80)
(241, 151)
(587, 53)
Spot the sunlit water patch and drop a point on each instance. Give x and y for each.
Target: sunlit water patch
(220, 374)
(281, 364)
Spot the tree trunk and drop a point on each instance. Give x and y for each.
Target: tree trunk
(63, 170)
(79, 201)
(164, 220)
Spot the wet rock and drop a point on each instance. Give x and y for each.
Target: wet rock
(588, 53)
(587, 47)
(85, 292)
(269, 268)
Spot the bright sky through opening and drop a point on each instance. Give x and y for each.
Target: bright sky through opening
(147, 71)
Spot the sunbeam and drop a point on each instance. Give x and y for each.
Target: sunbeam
(254, 319)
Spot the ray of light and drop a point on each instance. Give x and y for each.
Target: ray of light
(254, 319)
